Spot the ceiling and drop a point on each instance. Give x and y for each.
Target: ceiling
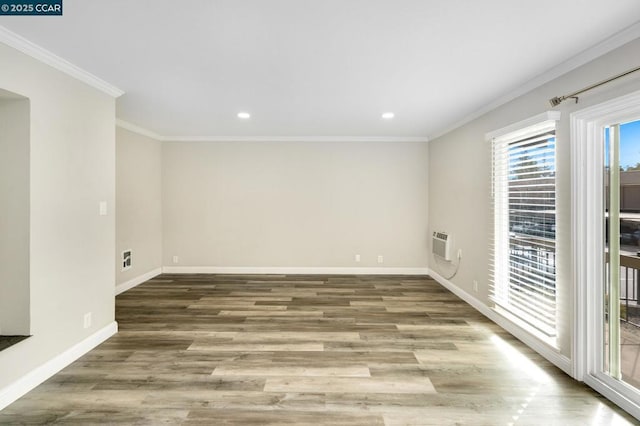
(318, 67)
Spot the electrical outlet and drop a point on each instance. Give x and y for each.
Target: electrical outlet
(475, 285)
(175, 259)
(380, 258)
(357, 258)
(126, 260)
(87, 320)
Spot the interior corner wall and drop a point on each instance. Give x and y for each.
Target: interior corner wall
(460, 176)
(138, 204)
(295, 204)
(72, 169)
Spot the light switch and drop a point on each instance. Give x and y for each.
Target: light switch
(103, 208)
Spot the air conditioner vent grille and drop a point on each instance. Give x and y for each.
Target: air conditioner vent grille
(441, 245)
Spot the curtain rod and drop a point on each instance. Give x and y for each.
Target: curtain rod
(559, 99)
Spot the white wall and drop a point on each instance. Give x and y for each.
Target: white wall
(460, 172)
(295, 204)
(138, 203)
(14, 215)
(72, 134)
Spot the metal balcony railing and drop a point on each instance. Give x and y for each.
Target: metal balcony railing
(629, 289)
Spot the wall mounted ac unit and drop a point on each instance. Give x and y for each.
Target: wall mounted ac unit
(441, 245)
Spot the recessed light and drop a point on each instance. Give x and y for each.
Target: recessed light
(244, 115)
(388, 115)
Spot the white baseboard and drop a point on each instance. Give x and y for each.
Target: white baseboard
(292, 270)
(127, 285)
(551, 354)
(35, 377)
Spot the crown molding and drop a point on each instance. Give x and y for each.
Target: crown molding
(151, 134)
(607, 45)
(139, 130)
(296, 138)
(29, 48)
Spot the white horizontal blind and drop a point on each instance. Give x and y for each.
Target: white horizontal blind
(523, 268)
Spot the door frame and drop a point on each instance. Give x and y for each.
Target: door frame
(587, 201)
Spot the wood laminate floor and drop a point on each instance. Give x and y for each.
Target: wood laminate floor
(294, 350)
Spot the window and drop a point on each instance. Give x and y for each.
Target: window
(523, 270)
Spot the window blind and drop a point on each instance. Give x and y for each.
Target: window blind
(523, 255)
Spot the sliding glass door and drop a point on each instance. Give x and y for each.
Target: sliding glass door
(605, 157)
(621, 215)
